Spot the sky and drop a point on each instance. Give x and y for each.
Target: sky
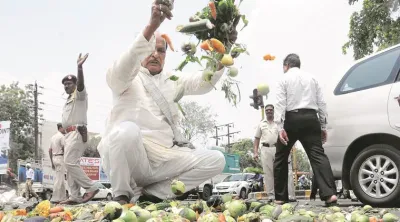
(41, 40)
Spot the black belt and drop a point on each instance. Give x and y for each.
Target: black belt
(302, 111)
(268, 145)
(58, 154)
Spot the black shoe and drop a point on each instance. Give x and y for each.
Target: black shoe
(149, 198)
(122, 199)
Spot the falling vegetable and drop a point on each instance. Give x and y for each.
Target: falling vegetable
(206, 45)
(177, 187)
(227, 60)
(217, 45)
(269, 57)
(168, 40)
(192, 27)
(213, 9)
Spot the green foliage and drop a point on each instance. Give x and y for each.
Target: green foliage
(375, 27)
(253, 170)
(16, 104)
(199, 121)
(244, 148)
(302, 163)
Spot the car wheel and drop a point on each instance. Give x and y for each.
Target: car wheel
(374, 175)
(109, 197)
(207, 193)
(243, 193)
(48, 195)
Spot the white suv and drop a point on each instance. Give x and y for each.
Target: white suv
(364, 128)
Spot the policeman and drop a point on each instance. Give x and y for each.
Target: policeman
(74, 121)
(56, 153)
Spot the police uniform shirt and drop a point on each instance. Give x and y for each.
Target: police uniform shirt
(75, 109)
(267, 132)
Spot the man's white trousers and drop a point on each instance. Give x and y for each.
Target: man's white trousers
(135, 166)
(59, 191)
(267, 162)
(76, 177)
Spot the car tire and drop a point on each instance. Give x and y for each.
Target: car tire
(207, 193)
(243, 193)
(384, 153)
(48, 195)
(109, 197)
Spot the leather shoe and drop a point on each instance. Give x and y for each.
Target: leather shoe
(69, 202)
(88, 196)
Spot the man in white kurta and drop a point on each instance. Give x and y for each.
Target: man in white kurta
(56, 153)
(137, 148)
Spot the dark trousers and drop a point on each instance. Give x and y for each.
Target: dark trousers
(303, 126)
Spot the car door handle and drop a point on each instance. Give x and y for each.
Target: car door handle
(397, 125)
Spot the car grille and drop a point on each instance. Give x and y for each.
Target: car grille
(222, 188)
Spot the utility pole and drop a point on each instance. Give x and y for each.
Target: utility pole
(36, 124)
(36, 108)
(229, 134)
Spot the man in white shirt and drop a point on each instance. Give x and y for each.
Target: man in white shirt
(267, 135)
(300, 113)
(56, 153)
(141, 149)
(30, 176)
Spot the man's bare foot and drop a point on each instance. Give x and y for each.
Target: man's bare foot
(331, 201)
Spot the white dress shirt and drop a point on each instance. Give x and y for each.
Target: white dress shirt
(30, 174)
(133, 103)
(299, 90)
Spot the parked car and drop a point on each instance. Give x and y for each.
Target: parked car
(235, 184)
(104, 193)
(363, 143)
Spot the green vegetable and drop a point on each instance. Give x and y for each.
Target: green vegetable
(192, 27)
(389, 217)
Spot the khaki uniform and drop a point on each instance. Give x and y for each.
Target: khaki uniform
(75, 114)
(57, 146)
(267, 132)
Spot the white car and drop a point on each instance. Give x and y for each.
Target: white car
(235, 184)
(364, 128)
(104, 193)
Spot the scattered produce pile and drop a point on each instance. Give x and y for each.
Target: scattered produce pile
(214, 27)
(217, 209)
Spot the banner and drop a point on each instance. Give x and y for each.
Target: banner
(91, 166)
(4, 145)
(5, 135)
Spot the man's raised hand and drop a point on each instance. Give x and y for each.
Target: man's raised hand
(81, 59)
(160, 10)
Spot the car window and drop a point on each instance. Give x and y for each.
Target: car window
(235, 177)
(372, 72)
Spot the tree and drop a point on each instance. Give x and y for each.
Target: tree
(376, 26)
(199, 121)
(16, 105)
(91, 150)
(244, 148)
(302, 163)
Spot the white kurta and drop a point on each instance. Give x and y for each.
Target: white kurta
(135, 111)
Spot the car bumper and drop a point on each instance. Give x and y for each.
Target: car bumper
(233, 191)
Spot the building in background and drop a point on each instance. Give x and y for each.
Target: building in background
(47, 130)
